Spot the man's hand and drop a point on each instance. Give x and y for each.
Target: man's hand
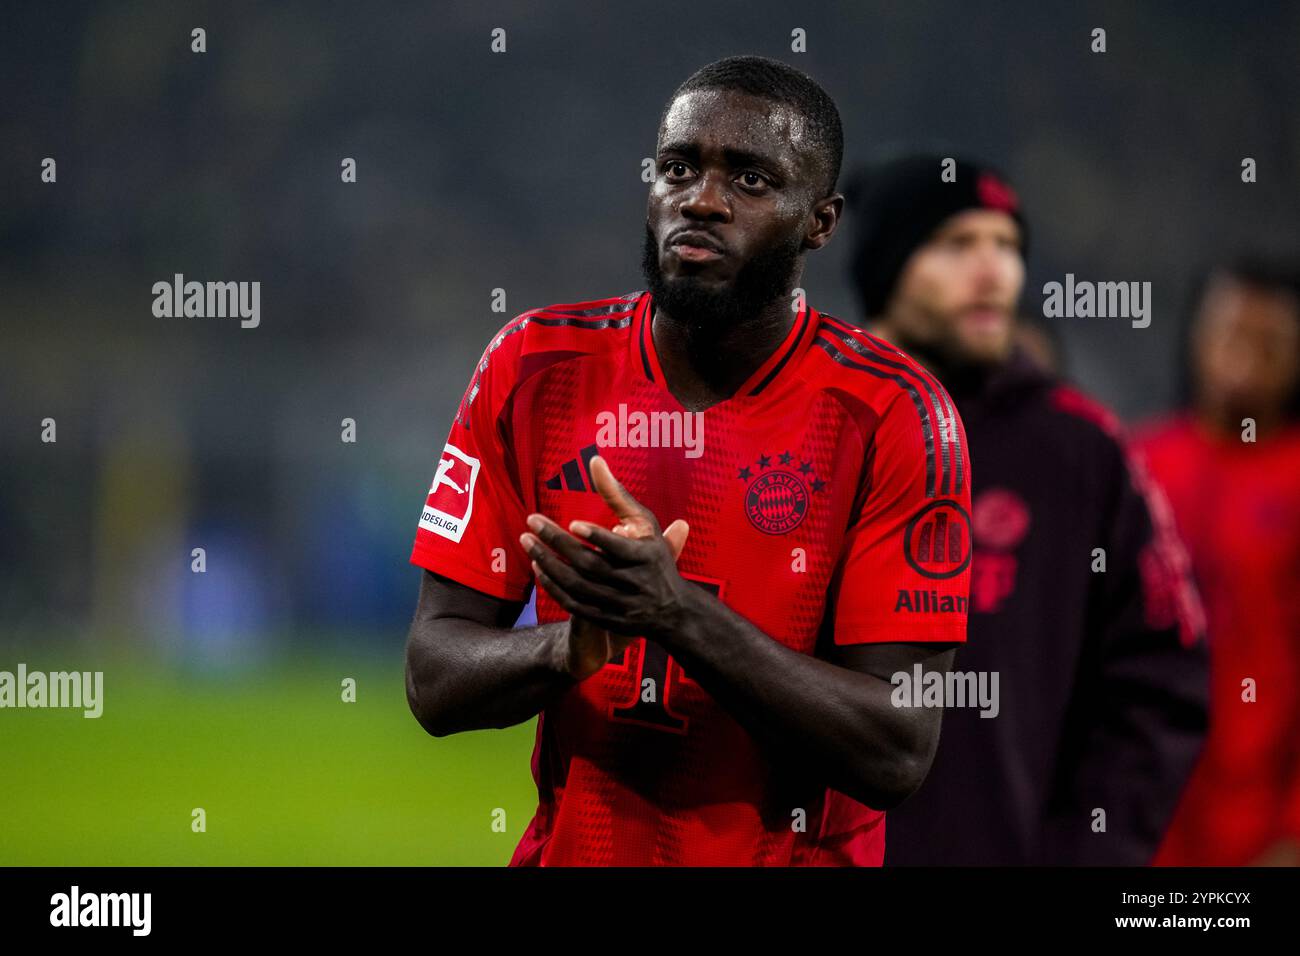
(590, 646)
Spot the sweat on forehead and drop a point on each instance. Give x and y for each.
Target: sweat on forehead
(755, 116)
(776, 132)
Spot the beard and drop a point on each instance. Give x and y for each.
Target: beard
(708, 313)
(952, 355)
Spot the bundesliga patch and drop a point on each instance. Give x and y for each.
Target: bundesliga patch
(451, 496)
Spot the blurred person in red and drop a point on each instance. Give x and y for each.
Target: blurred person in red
(1230, 464)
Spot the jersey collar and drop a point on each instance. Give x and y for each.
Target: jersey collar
(784, 358)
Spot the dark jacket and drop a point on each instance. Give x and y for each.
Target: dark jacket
(1102, 675)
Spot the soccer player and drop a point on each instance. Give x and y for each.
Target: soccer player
(1237, 504)
(1081, 601)
(719, 624)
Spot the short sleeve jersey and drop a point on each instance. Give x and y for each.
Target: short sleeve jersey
(828, 503)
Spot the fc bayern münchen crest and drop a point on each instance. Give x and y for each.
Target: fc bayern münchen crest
(777, 497)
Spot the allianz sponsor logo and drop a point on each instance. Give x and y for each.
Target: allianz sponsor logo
(922, 688)
(638, 429)
(918, 601)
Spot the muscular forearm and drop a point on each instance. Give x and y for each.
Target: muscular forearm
(461, 675)
(802, 708)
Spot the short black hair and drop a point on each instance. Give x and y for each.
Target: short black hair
(781, 83)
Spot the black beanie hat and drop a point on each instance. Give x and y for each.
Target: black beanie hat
(895, 206)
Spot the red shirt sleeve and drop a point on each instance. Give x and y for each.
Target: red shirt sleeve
(473, 512)
(904, 572)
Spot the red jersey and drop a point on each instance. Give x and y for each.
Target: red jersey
(828, 497)
(1237, 506)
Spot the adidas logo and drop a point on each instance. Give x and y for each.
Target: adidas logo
(575, 474)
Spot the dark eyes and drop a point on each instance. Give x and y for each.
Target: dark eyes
(676, 169)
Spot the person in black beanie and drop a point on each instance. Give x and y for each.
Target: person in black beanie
(1099, 655)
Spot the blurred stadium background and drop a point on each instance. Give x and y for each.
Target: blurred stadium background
(475, 172)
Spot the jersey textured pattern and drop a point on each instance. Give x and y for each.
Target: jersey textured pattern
(828, 503)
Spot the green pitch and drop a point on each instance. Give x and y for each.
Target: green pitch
(287, 773)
